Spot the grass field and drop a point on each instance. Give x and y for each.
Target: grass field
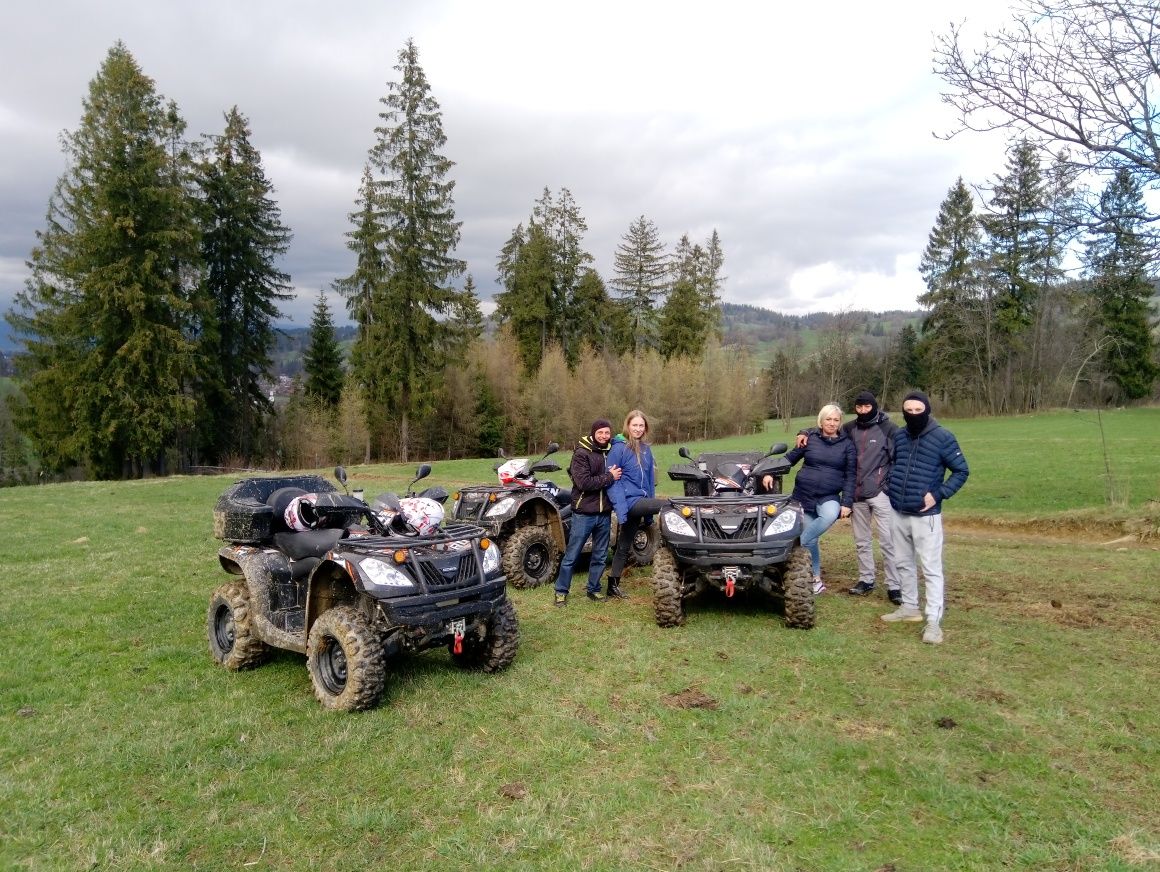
(1029, 740)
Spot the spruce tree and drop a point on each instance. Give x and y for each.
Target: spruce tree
(564, 227)
(107, 315)
(641, 278)
(1118, 259)
(323, 361)
(415, 215)
(527, 273)
(955, 325)
(242, 239)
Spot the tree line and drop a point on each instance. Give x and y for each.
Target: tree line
(148, 321)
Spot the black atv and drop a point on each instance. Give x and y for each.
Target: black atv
(359, 586)
(531, 519)
(525, 515)
(724, 536)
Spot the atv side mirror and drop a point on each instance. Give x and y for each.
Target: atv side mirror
(502, 454)
(423, 471)
(684, 452)
(778, 448)
(553, 447)
(340, 474)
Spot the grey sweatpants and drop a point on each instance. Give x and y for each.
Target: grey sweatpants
(918, 543)
(878, 509)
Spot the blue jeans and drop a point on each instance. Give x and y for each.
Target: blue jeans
(816, 525)
(599, 527)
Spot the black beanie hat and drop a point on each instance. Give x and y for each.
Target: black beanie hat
(598, 424)
(916, 423)
(865, 398)
(921, 397)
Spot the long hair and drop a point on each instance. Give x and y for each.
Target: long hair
(634, 444)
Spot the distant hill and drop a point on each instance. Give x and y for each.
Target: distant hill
(292, 342)
(764, 331)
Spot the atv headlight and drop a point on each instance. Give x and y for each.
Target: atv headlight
(491, 558)
(384, 575)
(501, 508)
(677, 525)
(782, 523)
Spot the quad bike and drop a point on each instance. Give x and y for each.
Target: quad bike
(525, 515)
(350, 585)
(721, 537)
(531, 519)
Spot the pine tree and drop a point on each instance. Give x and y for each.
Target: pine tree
(680, 329)
(107, 313)
(405, 239)
(242, 239)
(1118, 259)
(323, 360)
(955, 328)
(527, 273)
(641, 278)
(563, 225)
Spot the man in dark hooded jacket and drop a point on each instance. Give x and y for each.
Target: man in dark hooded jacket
(591, 510)
(924, 452)
(873, 435)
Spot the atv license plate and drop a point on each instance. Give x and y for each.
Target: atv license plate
(457, 628)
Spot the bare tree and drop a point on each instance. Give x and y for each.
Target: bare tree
(1065, 72)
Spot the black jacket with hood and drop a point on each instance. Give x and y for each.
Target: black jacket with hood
(590, 479)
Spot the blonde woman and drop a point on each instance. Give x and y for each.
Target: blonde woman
(634, 493)
(825, 484)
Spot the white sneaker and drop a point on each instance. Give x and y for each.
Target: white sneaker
(932, 635)
(819, 585)
(903, 613)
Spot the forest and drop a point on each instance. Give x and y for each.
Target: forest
(148, 338)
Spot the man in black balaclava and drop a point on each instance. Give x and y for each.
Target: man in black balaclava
(924, 452)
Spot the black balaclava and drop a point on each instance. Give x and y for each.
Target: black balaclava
(598, 424)
(915, 424)
(862, 399)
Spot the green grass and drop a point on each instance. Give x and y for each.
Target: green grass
(122, 746)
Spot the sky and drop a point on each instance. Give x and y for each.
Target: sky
(805, 134)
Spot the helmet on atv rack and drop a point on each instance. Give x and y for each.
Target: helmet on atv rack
(300, 515)
(423, 514)
(509, 473)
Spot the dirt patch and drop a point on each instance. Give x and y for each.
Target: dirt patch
(855, 729)
(690, 698)
(995, 696)
(1107, 532)
(1132, 852)
(514, 790)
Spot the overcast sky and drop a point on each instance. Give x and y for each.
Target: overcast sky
(803, 135)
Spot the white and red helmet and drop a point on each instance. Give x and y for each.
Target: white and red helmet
(423, 514)
(300, 515)
(509, 472)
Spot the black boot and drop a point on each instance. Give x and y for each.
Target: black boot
(614, 591)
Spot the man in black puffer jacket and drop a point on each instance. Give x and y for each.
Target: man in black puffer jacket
(924, 452)
(873, 435)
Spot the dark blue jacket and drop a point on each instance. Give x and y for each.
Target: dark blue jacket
(920, 467)
(637, 477)
(829, 470)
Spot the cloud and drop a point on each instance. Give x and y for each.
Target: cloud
(802, 134)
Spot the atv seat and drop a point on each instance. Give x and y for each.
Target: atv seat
(309, 543)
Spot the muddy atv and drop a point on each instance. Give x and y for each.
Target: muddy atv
(530, 518)
(525, 515)
(718, 537)
(357, 586)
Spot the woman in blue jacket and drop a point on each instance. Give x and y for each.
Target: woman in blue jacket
(634, 494)
(825, 484)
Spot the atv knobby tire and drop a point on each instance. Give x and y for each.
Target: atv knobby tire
(498, 649)
(667, 589)
(530, 557)
(231, 633)
(645, 544)
(345, 657)
(798, 584)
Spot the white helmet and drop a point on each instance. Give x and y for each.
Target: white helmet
(423, 514)
(300, 514)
